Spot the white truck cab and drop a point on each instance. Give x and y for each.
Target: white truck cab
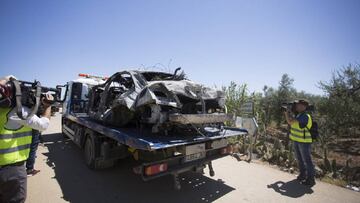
(76, 94)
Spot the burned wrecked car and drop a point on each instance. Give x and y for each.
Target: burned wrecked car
(157, 100)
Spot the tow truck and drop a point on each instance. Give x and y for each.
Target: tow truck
(155, 155)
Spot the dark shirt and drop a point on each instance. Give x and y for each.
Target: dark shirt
(302, 119)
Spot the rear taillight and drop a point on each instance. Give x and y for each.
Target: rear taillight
(227, 150)
(155, 169)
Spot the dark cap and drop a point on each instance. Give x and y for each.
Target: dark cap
(302, 101)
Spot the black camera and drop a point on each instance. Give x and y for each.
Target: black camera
(291, 106)
(288, 107)
(29, 94)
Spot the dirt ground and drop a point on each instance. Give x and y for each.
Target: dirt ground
(65, 178)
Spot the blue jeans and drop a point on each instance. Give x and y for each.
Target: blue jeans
(303, 156)
(30, 162)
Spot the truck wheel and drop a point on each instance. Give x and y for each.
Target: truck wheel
(64, 135)
(89, 152)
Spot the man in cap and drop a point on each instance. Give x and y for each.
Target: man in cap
(300, 134)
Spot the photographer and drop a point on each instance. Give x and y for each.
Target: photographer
(300, 135)
(15, 140)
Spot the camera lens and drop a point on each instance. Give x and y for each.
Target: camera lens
(4, 91)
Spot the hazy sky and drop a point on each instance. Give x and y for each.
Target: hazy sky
(214, 41)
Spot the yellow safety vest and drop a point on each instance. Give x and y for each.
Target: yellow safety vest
(14, 144)
(301, 134)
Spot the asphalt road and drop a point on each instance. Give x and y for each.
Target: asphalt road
(65, 178)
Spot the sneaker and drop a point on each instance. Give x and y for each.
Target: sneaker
(309, 182)
(32, 172)
(300, 178)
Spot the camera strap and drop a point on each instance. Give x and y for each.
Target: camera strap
(18, 96)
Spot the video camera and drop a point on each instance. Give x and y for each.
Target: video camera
(290, 106)
(29, 94)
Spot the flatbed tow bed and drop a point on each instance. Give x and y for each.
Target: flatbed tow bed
(138, 139)
(147, 142)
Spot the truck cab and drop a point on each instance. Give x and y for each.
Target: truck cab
(76, 93)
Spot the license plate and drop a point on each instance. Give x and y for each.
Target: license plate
(217, 144)
(194, 152)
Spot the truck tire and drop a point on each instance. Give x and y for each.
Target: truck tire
(64, 135)
(90, 152)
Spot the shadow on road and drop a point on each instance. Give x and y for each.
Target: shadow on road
(120, 184)
(291, 189)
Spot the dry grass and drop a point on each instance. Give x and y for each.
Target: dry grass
(334, 181)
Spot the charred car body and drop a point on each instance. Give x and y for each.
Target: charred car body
(162, 101)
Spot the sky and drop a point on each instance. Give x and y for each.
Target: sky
(214, 42)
